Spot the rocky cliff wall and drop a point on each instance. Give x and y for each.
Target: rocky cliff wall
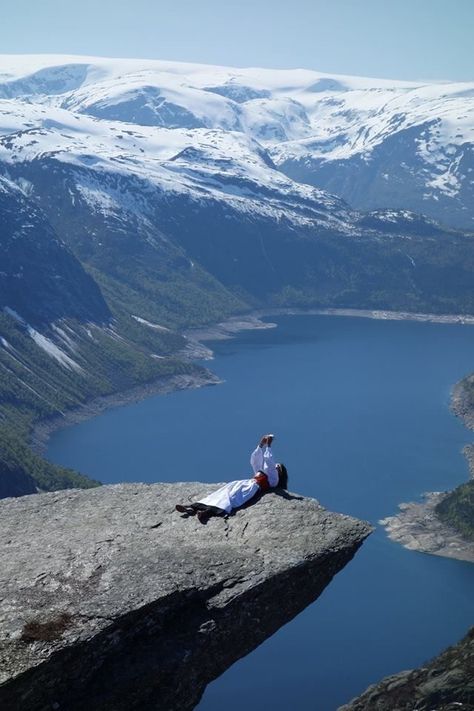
(446, 683)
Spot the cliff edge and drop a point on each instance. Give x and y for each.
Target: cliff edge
(112, 600)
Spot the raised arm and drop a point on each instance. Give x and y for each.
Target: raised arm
(261, 459)
(256, 459)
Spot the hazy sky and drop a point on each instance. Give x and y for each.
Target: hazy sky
(406, 39)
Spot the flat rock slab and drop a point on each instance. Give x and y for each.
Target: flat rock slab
(110, 599)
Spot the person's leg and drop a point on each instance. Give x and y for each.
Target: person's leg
(204, 512)
(188, 509)
(204, 516)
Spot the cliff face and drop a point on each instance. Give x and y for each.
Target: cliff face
(112, 600)
(445, 684)
(40, 278)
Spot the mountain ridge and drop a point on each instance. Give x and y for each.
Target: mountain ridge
(324, 129)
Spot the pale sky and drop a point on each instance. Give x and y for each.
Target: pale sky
(398, 39)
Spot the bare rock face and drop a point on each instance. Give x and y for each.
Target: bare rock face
(110, 599)
(444, 684)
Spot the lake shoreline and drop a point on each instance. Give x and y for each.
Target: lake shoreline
(377, 314)
(228, 328)
(197, 350)
(194, 350)
(43, 430)
(416, 526)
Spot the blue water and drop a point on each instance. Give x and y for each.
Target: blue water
(361, 416)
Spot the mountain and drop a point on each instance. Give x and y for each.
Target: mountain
(161, 179)
(40, 277)
(377, 143)
(139, 198)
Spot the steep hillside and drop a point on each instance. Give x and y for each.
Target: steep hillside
(39, 277)
(60, 343)
(445, 683)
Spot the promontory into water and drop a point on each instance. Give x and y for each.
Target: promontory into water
(443, 524)
(113, 600)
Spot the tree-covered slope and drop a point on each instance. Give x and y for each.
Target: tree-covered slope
(39, 277)
(196, 256)
(457, 508)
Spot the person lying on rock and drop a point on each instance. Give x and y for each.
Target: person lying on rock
(267, 475)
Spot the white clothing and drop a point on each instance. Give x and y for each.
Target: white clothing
(232, 495)
(236, 493)
(261, 459)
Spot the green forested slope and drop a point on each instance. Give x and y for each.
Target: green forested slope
(457, 509)
(33, 385)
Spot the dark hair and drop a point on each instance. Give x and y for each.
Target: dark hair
(282, 477)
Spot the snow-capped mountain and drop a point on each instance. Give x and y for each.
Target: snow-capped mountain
(176, 166)
(377, 143)
(179, 166)
(141, 197)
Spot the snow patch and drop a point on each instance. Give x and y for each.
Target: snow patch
(45, 343)
(156, 326)
(14, 314)
(5, 344)
(53, 350)
(64, 337)
(99, 200)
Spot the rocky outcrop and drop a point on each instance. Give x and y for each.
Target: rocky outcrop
(462, 400)
(444, 684)
(443, 523)
(112, 600)
(418, 527)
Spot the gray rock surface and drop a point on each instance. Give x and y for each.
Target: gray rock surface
(444, 684)
(418, 528)
(110, 599)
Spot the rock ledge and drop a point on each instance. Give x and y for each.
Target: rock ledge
(112, 600)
